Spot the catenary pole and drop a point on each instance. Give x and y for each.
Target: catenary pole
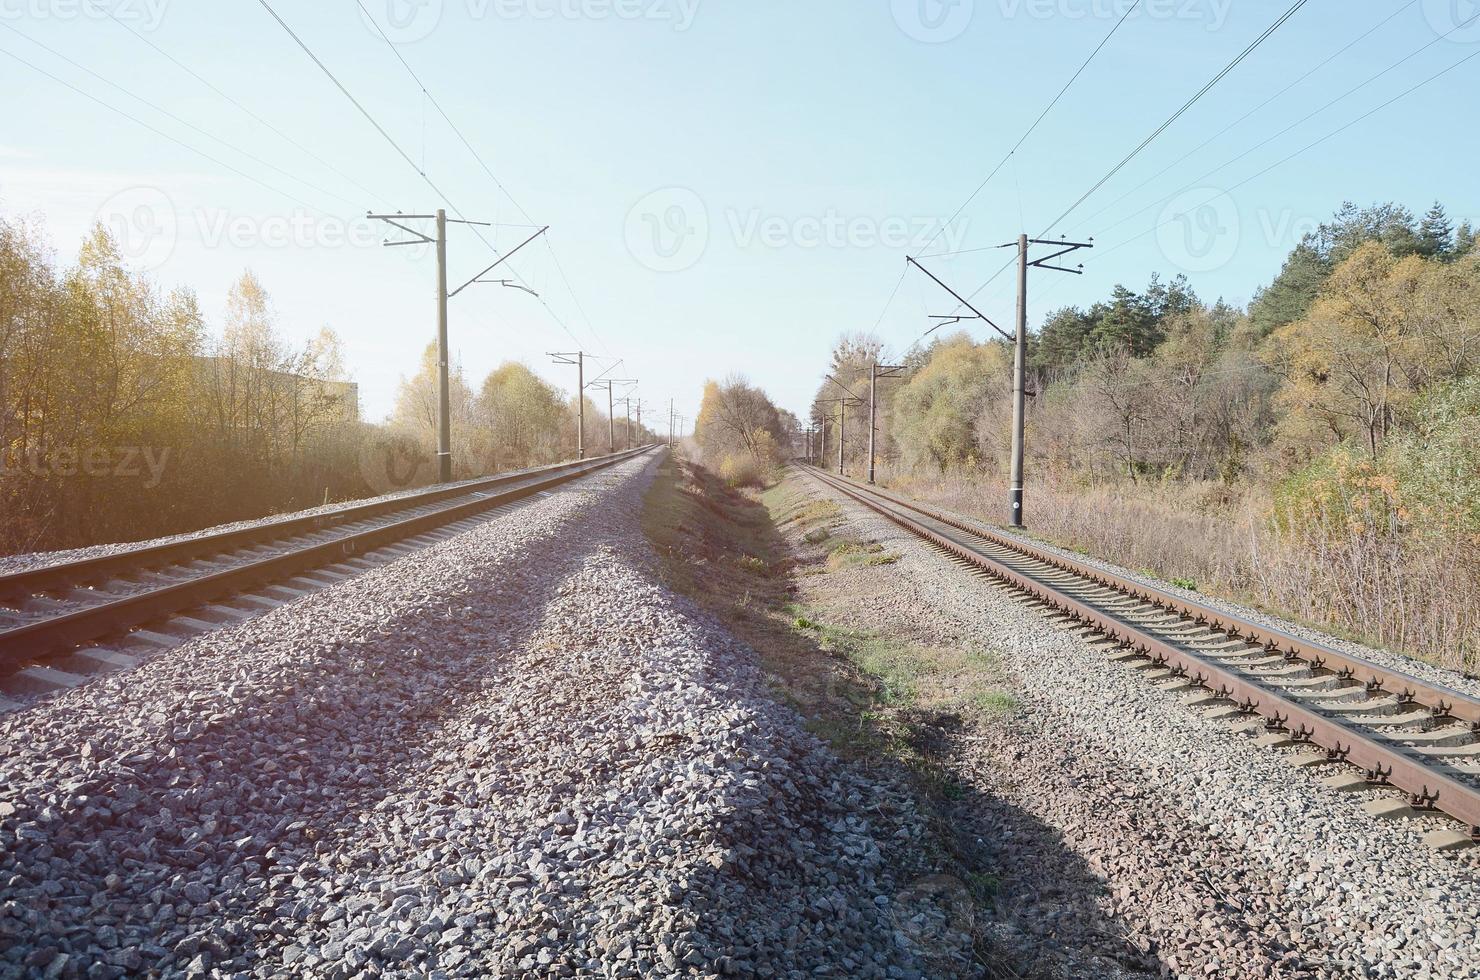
(439, 241)
(444, 396)
(1019, 380)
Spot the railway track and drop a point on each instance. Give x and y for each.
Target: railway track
(60, 623)
(1399, 731)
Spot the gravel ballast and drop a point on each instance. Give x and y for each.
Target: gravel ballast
(512, 754)
(1213, 856)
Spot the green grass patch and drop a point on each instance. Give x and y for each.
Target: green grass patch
(854, 554)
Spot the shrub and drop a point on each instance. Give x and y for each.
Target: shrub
(741, 470)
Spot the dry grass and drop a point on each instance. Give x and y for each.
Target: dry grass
(1411, 594)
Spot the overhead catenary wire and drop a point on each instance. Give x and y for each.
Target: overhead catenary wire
(1304, 149)
(1249, 49)
(162, 134)
(1029, 132)
(253, 115)
(178, 119)
(467, 144)
(1269, 31)
(1329, 58)
(1297, 123)
(397, 147)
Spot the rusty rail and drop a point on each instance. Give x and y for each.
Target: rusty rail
(60, 632)
(1425, 786)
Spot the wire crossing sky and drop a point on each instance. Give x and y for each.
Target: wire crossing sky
(721, 198)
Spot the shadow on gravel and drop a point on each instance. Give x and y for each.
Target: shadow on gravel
(230, 798)
(992, 881)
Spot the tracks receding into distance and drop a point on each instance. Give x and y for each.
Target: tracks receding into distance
(1400, 731)
(60, 622)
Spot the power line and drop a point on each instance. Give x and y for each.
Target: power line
(1157, 132)
(183, 122)
(1268, 31)
(401, 152)
(161, 133)
(1299, 122)
(442, 112)
(1053, 102)
(263, 122)
(347, 94)
(1304, 149)
(1332, 57)
(491, 176)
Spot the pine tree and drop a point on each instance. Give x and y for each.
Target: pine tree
(1128, 324)
(1435, 233)
(1464, 239)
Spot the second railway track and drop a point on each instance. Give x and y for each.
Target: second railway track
(60, 622)
(1399, 731)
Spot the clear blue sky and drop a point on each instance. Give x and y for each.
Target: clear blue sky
(729, 185)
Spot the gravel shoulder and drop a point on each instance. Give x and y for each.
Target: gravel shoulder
(1392, 660)
(1215, 858)
(515, 753)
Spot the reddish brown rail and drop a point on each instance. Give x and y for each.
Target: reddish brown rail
(1424, 783)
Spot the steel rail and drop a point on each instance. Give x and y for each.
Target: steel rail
(25, 643)
(85, 571)
(1384, 764)
(1442, 701)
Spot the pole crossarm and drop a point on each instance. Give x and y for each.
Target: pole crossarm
(1064, 248)
(501, 259)
(603, 374)
(961, 299)
(851, 396)
(578, 358)
(422, 238)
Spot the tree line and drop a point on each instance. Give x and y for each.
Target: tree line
(125, 415)
(1342, 406)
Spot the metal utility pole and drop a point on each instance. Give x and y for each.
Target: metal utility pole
(670, 423)
(627, 425)
(611, 438)
(580, 363)
(444, 397)
(1019, 382)
(842, 431)
(1020, 354)
(843, 418)
(879, 371)
(1019, 341)
(822, 449)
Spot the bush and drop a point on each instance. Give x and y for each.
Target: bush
(741, 470)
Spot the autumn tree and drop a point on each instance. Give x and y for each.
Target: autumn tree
(1382, 329)
(524, 415)
(739, 430)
